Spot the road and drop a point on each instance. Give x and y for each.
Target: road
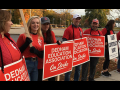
(58, 33)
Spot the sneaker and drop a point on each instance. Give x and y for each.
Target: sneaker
(105, 74)
(108, 73)
(118, 70)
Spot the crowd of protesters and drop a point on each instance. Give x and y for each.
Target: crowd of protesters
(40, 34)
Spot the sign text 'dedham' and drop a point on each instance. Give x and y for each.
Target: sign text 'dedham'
(16, 71)
(81, 51)
(96, 45)
(57, 59)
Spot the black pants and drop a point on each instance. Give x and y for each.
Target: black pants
(40, 73)
(93, 62)
(107, 61)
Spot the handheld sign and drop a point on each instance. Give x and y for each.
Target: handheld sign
(57, 59)
(96, 45)
(81, 51)
(112, 46)
(16, 71)
(25, 25)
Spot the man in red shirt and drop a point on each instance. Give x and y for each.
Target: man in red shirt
(71, 33)
(93, 60)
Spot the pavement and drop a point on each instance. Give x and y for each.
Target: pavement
(115, 76)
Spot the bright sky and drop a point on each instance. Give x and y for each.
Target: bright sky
(82, 12)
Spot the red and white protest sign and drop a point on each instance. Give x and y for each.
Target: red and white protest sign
(57, 59)
(96, 45)
(81, 51)
(16, 71)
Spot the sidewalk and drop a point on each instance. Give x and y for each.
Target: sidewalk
(115, 76)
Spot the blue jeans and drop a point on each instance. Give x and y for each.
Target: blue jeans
(32, 69)
(76, 75)
(118, 64)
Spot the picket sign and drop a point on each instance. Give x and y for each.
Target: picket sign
(25, 25)
(16, 71)
(112, 46)
(57, 59)
(96, 45)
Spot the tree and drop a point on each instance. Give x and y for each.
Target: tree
(15, 15)
(100, 14)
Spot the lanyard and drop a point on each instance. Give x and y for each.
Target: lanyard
(94, 35)
(79, 30)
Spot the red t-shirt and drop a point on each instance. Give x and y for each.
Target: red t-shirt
(13, 49)
(40, 60)
(93, 32)
(118, 35)
(37, 43)
(104, 31)
(53, 37)
(68, 33)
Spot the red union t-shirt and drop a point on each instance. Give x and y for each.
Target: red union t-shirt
(93, 32)
(37, 43)
(68, 33)
(118, 35)
(104, 31)
(40, 60)
(13, 49)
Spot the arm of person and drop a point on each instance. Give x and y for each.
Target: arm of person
(65, 35)
(23, 42)
(40, 54)
(54, 39)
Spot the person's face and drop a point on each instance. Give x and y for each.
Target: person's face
(76, 21)
(113, 25)
(94, 25)
(35, 25)
(8, 26)
(45, 27)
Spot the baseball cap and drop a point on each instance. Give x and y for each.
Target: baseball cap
(45, 20)
(76, 16)
(95, 20)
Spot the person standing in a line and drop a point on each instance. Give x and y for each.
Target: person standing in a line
(108, 30)
(93, 60)
(9, 51)
(32, 53)
(71, 33)
(49, 38)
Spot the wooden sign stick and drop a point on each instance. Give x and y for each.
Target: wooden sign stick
(25, 25)
(58, 78)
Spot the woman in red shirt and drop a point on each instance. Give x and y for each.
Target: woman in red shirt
(108, 30)
(32, 53)
(49, 38)
(9, 52)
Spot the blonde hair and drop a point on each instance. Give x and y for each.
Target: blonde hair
(4, 17)
(39, 32)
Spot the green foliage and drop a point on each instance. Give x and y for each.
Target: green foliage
(100, 14)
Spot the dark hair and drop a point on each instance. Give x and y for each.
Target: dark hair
(109, 25)
(48, 39)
